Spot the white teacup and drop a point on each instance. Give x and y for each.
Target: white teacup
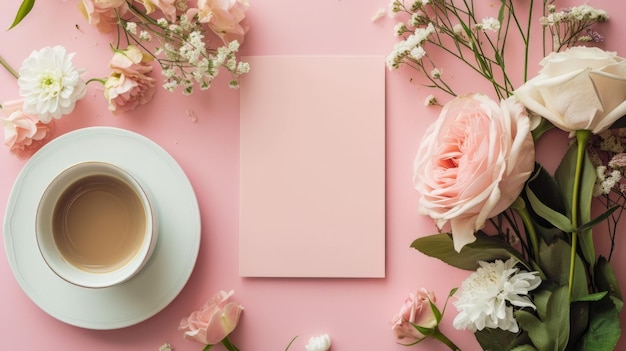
(95, 225)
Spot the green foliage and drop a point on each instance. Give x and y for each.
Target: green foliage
(24, 9)
(555, 261)
(551, 333)
(606, 280)
(604, 327)
(485, 248)
(502, 340)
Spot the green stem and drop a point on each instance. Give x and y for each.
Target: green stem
(582, 137)
(520, 207)
(8, 67)
(444, 339)
(229, 346)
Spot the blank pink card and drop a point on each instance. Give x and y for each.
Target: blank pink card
(312, 169)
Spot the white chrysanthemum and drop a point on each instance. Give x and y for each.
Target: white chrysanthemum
(489, 294)
(50, 84)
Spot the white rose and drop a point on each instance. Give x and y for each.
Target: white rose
(319, 343)
(582, 88)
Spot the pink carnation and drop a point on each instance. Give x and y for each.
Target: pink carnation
(129, 84)
(226, 18)
(23, 134)
(102, 13)
(167, 7)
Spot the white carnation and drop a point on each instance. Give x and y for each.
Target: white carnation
(489, 294)
(50, 84)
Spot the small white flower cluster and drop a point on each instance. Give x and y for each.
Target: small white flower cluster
(185, 59)
(571, 25)
(605, 183)
(411, 47)
(489, 295)
(488, 24)
(578, 13)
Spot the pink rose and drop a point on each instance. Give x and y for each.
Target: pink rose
(416, 310)
(473, 163)
(225, 18)
(217, 318)
(129, 84)
(102, 13)
(23, 134)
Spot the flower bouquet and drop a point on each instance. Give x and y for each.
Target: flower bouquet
(527, 235)
(191, 41)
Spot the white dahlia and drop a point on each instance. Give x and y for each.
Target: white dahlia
(50, 84)
(489, 294)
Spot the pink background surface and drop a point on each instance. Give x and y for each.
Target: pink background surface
(355, 312)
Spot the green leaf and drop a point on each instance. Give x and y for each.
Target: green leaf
(24, 9)
(547, 191)
(555, 261)
(485, 248)
(592, 297)
(423, 330)
(564, 177)
(606, 280)
(524, 348)
(579, 320)
(436, 312)
(604, 327)
(552, 333)
(555, 218)
(598, 219)
(498, 339)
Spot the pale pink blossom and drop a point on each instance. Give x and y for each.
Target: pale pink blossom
(129, 84)
(167, 7)
(473, 163)
(214, 321)
(23, 134)
(102, 14)
(416, 310)
(226, 18)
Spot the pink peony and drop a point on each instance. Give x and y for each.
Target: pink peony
(226, 18)
(217, 318)
(473, 163)
(129, 84)
(102, 13)
(416, 310)
(23, 134)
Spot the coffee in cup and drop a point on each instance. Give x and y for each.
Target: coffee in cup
(95, 225)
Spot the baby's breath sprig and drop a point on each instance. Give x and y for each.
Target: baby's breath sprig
(454, 28)
(572, 25)
(179, 46)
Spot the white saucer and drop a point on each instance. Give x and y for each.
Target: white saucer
(174, 257)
